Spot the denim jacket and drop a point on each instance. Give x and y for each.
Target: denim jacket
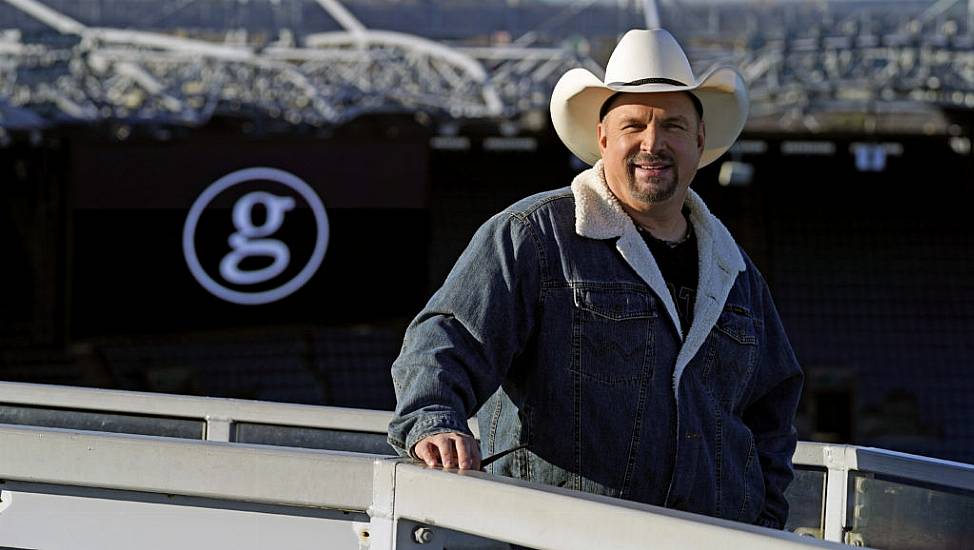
(556, 329)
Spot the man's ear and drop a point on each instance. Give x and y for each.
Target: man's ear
(600, 135)
(701, 137)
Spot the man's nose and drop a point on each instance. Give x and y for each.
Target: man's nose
(652, 139)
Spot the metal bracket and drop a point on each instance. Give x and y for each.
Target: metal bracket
(854, 539)
(411, 535)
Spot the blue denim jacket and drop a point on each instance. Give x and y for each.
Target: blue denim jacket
(556, 329)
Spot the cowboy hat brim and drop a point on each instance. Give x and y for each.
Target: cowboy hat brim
(578, 96)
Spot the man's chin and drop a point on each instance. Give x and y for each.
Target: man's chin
(653, 191)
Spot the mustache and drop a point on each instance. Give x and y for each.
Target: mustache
(648, 158)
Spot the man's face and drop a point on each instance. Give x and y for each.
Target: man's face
(651, 145)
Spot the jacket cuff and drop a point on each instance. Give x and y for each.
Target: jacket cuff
(432, 424)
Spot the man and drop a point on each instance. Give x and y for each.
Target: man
(614, 331)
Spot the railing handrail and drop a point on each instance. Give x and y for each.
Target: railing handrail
(257, 474)
(541, 516)
(935, 471)
(471, 502)
(193, 407)
(209, 410)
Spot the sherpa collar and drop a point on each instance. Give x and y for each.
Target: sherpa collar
(599, 215)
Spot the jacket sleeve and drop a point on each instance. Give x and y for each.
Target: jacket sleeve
(457, 351)
(771, 412)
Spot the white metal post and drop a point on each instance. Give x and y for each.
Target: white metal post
(218, 429)
(839, 460)
(382, 530)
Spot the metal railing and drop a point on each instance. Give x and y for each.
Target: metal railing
(215, 416)
(407, 505)
(855, 477)
(251, 474)
(843, 485)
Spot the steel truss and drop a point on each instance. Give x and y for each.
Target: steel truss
(817, 67)
(809, 68)
(133, 76)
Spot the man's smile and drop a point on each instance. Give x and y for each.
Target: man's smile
(650, 167)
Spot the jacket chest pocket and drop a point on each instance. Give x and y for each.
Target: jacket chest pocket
(735, 341)
(612, 333)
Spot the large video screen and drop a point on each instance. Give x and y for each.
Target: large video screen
(219, 231)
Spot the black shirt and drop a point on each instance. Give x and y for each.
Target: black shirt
(678, 264)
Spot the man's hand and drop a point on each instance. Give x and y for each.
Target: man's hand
(450, 450)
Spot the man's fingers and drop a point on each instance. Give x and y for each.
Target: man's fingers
(427, 451)
(448, 452)
(468, 453)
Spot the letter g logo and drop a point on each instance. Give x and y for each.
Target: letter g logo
(254, 239)
(246, 244)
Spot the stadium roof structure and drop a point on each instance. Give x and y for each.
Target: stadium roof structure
(92, 73)
(856, 66)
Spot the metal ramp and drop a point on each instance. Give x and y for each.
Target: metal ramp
(83, 468)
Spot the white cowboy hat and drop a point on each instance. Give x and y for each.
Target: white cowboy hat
(646, 62)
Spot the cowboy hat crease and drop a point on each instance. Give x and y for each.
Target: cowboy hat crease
(648, 61)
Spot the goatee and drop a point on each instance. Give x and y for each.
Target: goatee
(662, 188)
